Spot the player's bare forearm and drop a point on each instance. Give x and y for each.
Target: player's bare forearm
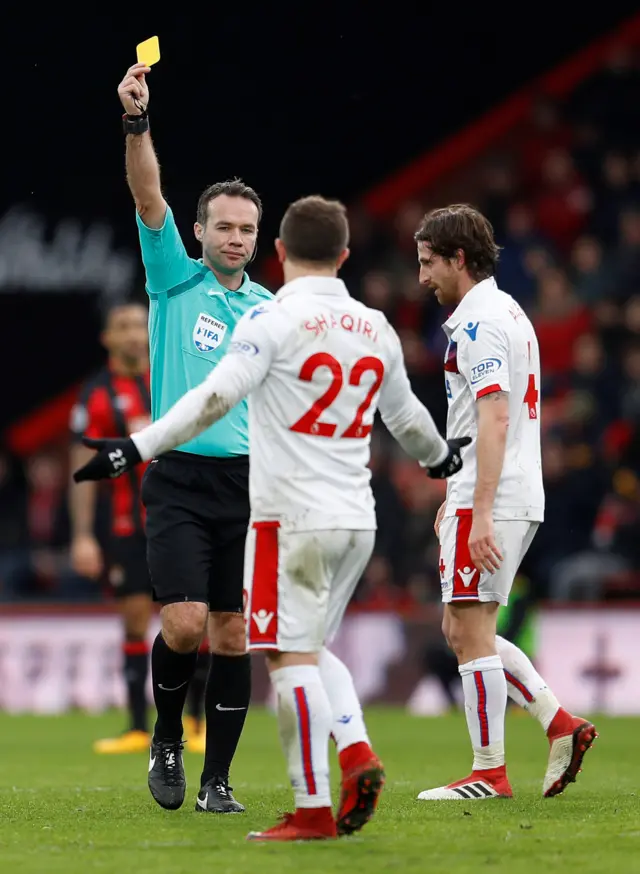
(143, 178)
(493, 424)
(82, 496)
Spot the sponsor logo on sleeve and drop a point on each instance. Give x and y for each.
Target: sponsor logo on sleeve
(485, 368)
(244, 347)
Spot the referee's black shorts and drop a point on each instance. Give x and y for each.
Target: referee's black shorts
(197, 518)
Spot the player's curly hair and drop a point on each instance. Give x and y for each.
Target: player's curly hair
(232, 188)
(461, 226)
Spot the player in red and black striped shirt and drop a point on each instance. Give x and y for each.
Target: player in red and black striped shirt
(116, 402)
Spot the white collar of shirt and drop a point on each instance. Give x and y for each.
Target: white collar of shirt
(325, 285)
(472, 299)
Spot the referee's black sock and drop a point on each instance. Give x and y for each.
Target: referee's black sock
(198, 684)
(171, 672)
(226, 704)
(136, 666)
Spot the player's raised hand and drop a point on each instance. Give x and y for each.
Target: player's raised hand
(133, 91)
(483, 549)
(113, 458)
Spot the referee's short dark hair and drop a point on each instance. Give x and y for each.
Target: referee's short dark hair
(314, 230)
(232, 188)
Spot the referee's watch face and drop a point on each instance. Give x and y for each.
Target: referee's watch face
(229, 236)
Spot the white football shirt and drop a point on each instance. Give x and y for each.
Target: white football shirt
(315, 364)
(493, 347)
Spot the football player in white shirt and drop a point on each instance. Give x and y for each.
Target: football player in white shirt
(316, 364)
(494, 505)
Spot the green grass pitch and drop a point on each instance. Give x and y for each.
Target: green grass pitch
(65, 810)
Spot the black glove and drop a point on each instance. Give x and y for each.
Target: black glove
(114, 457)
(453, 462)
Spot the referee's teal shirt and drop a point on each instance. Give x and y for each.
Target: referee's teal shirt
(191, 319)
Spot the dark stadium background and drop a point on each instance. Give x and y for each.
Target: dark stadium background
(393, 111)
(332, 97)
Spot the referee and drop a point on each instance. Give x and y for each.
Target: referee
(196, 498)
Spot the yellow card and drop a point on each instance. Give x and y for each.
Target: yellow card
(149, 51)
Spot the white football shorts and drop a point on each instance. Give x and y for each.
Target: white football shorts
(298, 584)
(460, 579)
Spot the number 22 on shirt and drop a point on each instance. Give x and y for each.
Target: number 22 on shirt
(311, 422)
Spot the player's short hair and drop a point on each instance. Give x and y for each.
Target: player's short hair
(314, 230)
(461, 226)
(232, 188)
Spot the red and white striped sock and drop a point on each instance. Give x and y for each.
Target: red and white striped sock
(304, 721)
(485, 702)
(525, 685)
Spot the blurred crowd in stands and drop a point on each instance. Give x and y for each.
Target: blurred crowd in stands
(563, 194)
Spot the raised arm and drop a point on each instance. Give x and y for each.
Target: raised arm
(143, 170)
(165, 258)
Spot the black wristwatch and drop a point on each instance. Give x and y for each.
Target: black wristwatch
(135, 124)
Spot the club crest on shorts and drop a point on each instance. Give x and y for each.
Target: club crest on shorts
(208, 333)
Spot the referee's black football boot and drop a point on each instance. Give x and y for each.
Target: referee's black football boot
(167, 782)
(215, 797)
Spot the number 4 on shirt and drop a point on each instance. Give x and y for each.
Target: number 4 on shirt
(310, 422)
(531, 397)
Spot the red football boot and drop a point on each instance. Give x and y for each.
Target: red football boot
(362, 783)
(306, 824)
(569, 739)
